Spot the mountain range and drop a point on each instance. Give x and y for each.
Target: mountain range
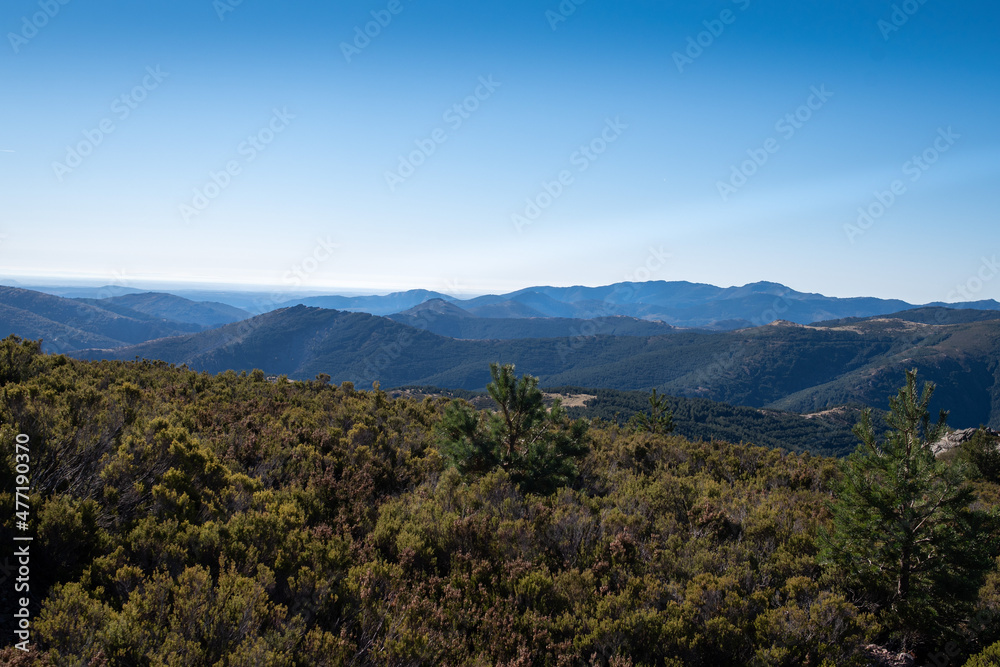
(565, 336)
(781, 366)
(678, 303)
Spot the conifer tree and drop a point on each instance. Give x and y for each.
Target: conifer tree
(905, 540)
(537, 448)
(659, 420)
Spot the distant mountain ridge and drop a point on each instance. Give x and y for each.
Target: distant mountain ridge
(678, 303)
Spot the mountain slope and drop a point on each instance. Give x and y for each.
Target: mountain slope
(782, 365)
(702, 419)
(447, 319)
(204, 314)
(79, 316)
(963, 360)
(547, 327)
(926, 315)
(508, 308)
(56, 337)
(302, 342)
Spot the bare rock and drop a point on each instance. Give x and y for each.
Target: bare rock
(952, 440)
(882, 657)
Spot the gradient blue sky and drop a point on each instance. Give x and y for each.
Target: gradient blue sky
(654, 191)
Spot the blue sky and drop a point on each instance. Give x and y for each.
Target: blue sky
(489, 146)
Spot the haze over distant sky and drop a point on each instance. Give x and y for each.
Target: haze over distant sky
(681, 115)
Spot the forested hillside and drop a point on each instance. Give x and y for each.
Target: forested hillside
(183, 518)
(173, 308)
(66, 324)
(781, 366)
(701, 419)
(445, 319)
(69, 324)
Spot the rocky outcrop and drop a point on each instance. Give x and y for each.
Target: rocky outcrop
(880, 656)
(952, 440)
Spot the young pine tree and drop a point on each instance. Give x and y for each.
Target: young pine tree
(659, 420)
(538, 449)
(905, 540)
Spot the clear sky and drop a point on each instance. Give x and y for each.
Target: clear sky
(492, 145)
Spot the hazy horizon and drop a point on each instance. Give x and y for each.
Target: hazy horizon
(194, 288)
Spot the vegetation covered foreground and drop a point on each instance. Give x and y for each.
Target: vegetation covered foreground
(191, 519)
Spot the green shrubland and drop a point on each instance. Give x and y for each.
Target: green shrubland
(183, 518)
